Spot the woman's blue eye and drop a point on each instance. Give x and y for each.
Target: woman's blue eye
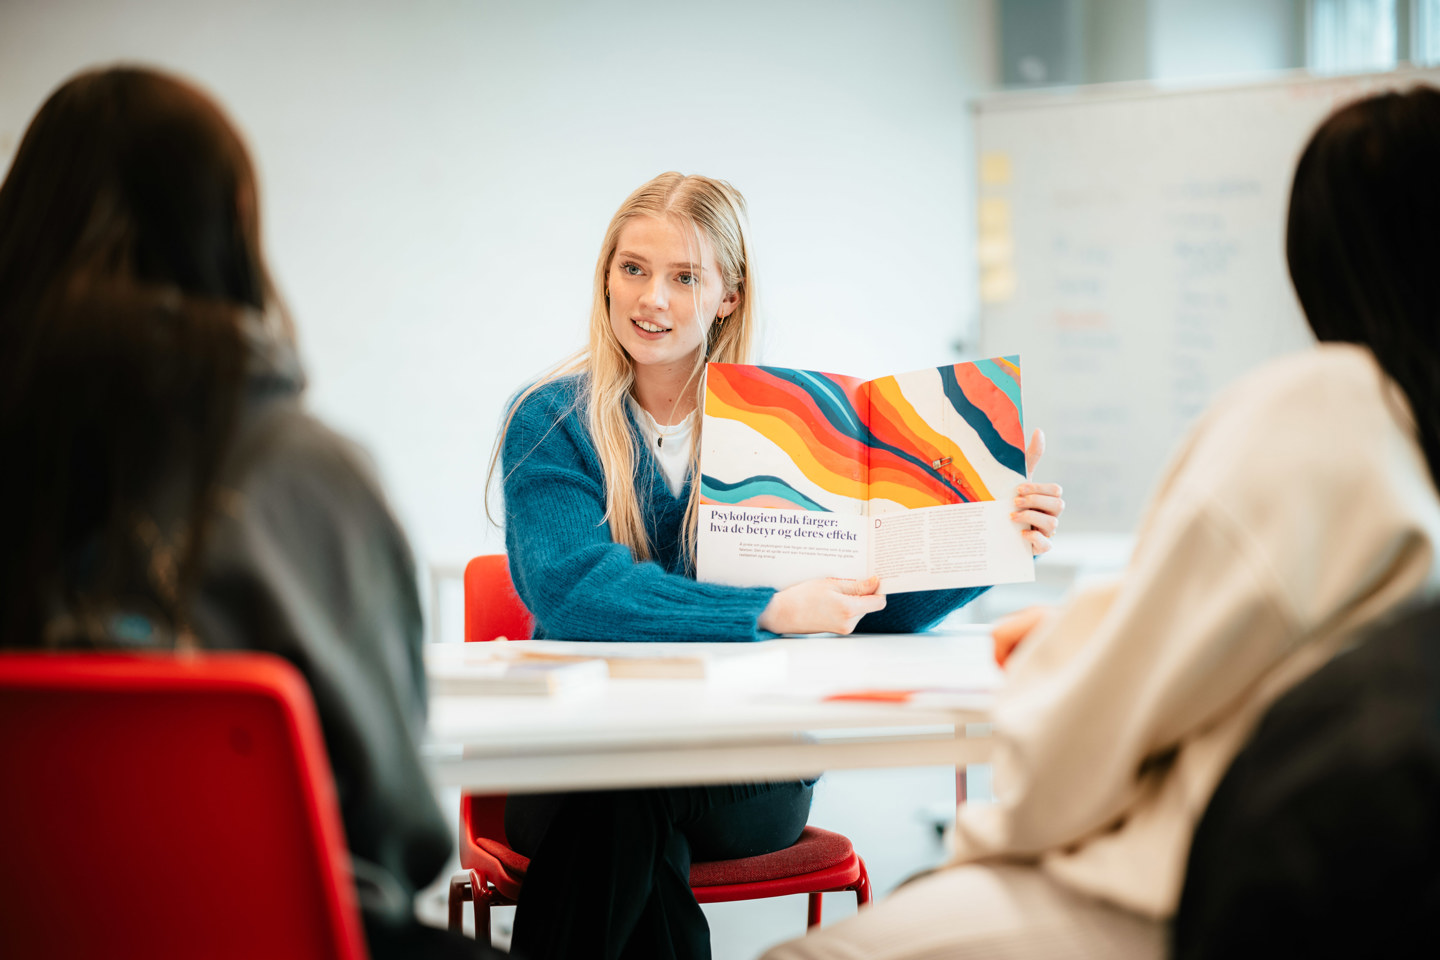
(687, 278)
(631, 269)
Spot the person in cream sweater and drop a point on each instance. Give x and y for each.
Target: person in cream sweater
(1300, 511)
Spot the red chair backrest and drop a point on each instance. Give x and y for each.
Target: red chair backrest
(492, 607)
(160, 805)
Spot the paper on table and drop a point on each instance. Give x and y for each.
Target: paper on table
(456, 670)
(962, 698)
(971, 699)
(721, 663)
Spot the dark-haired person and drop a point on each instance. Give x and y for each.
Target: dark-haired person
(164, 487)
(1323, 838)
(1301, 510)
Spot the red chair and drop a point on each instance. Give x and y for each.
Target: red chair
(492, 607)
(819, 862)
(161, 805)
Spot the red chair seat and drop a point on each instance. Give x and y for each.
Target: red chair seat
(816, 850)
(505, 874)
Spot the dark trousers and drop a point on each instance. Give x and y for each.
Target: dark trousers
(609, 872)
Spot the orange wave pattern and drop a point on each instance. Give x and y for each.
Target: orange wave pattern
(895, 425)
(790, 417)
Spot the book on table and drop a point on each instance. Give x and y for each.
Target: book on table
(911, 478)
(720, 663)
(454, 669)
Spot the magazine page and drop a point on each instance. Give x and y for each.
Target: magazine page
(784, 476)
(947, 452)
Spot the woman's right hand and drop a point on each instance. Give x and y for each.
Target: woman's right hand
(822, 606)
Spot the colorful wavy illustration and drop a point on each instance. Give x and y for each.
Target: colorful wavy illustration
(899, 439)
(814, 418)
(756, 492)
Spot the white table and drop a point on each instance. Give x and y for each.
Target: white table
(672, 732)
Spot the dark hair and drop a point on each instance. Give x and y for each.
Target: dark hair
(129, 257)
(1363, 241)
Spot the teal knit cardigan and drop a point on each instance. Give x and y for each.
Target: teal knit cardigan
(581, 585)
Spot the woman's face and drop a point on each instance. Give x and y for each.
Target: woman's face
(665, 292)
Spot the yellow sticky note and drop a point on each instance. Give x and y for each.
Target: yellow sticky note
(995, 249)
(994, 169)
(994, 216)
(997, 283)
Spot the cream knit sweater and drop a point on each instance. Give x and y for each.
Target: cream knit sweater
(1298, 512)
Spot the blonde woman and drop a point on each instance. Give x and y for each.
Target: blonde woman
(600, 518)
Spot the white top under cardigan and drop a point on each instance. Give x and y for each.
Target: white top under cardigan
(670, 444)
(1298, 512)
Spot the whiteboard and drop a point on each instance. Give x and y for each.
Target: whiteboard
(1132, 252)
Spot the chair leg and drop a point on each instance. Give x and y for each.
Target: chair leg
(459, 893)
(480, 896)
(482, 922)
(463, 886)
(862, 887)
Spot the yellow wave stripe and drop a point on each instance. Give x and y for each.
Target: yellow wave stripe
(888, 390)
(903, 494)
(788, 439)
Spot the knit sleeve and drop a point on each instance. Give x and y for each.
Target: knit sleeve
(579, 583)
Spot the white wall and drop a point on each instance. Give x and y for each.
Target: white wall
(437, 175)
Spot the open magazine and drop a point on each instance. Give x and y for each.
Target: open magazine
(911, 477)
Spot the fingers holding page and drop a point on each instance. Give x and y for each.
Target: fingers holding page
(822, 606)
(1038, 506)
(1046, 523)
(856, 599)
(856, 588)
(1039, 542)
(1043, 496)
(1034, 451)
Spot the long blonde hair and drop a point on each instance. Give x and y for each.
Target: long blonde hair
(716, 210)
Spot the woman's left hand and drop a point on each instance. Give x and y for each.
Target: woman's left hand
(1009, 631)
(1038, 504)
